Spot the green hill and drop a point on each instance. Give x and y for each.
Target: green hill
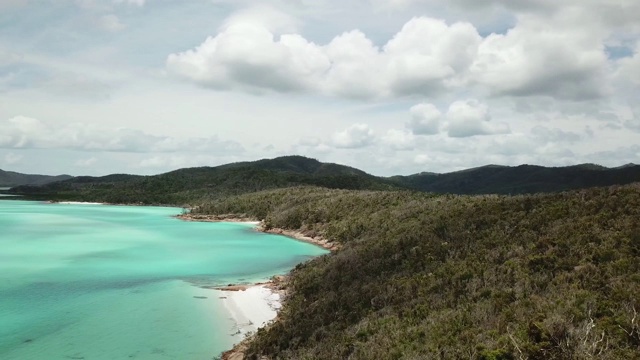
(200, 184)
(10, 178)
(419, 276)
(523, 179)
(195, 185)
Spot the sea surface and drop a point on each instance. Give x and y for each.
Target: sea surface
(87, 282)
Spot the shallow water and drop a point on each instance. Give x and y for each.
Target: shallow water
(117, 282)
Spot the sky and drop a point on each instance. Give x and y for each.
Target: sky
(93, 87)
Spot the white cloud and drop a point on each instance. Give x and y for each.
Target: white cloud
(425, 119)
(27, 133)
(541, 57)
(263, 16)
(427, 54)
(355, 136)
(629, 67)
(471, 118)
(424, 56)
(545, 71)
(399, 139)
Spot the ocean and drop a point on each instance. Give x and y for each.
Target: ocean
(81, 281)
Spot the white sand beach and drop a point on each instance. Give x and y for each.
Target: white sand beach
(250, 309)
(78, 203)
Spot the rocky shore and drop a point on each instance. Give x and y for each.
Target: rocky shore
(299, 235)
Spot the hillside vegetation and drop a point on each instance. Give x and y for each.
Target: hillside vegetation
(10, 178)
(194, 185)
(523, 179)
(201, 184)
(420, 276)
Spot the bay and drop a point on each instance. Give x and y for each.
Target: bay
(81, 281)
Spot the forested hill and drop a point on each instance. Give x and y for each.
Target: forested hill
(194, 185)
(10, 178)
(523, 179)
(423, 276)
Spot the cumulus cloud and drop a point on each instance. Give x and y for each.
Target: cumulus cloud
(464, 118)
(425, 119)
(424, 56)
(355, 136)
(428, 52)
(399, 140)
(27, 133)
(539, 57)
(468, 118)
(629, 67)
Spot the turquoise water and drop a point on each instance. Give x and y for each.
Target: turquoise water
(119, 282)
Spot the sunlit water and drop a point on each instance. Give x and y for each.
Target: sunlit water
(122, 282)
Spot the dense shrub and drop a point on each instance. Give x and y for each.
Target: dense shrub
(456, 277)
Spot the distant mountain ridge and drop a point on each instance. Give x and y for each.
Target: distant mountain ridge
(194, 185)
(10, 178)
(522, 179)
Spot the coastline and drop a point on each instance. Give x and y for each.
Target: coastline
(216, 218)
(251, 306)
(299, 235)
(244, 301)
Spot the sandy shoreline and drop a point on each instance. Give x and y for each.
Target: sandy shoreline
(254, 306)
(76, 203)
(250, 307)
(294, 234)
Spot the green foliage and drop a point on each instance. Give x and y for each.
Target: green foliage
(205, 184)
(523, 179)
(447, 277)
(10, 178)
(496, 355)
(197, 185)
(551, 276)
